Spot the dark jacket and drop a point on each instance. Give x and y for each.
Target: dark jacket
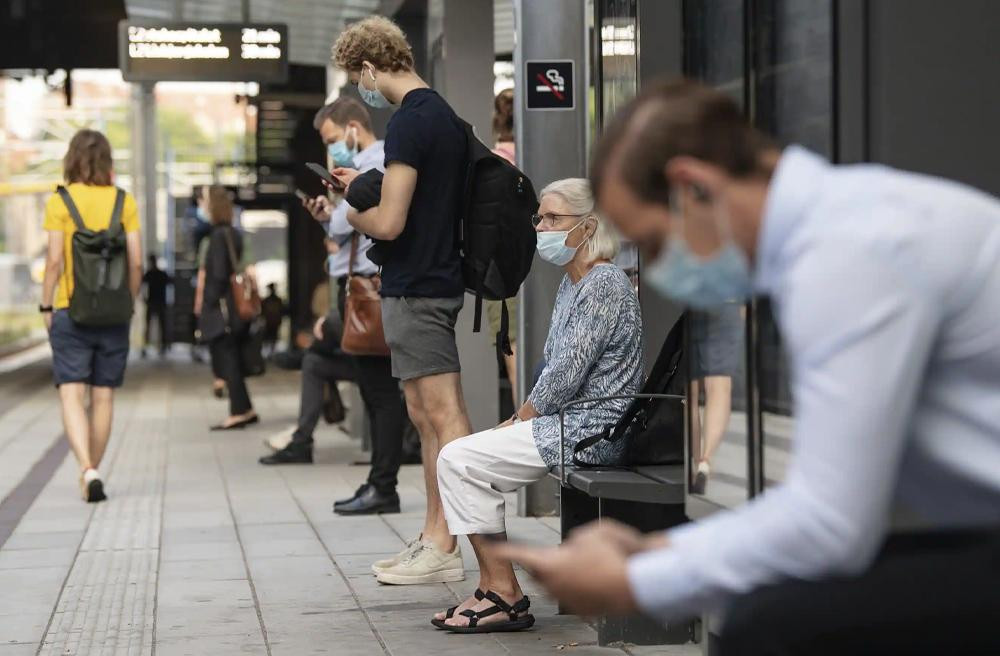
(217, 309)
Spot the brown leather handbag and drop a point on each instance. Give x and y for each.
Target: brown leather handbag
(244, 287)
(363, 333)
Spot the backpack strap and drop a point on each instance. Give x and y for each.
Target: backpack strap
(116, 213)
(71, 206)
(585, 444)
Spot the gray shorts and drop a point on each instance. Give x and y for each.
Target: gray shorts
(420, 333)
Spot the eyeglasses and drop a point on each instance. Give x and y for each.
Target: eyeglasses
(548, 220)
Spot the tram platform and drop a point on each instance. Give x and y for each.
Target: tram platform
(200, 550)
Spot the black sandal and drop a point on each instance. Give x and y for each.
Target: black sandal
(515, 621)
(450, 613)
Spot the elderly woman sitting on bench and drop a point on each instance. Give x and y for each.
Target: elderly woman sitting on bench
(593, 349)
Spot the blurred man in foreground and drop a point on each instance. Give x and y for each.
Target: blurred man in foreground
(887, 291)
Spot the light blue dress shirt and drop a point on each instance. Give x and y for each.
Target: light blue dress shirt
(340, 231)
(887, 291)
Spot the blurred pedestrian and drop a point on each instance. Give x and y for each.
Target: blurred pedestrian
(273, 310)
(219, 325)
(155, 282)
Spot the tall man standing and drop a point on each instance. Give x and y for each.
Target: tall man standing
(422, 286)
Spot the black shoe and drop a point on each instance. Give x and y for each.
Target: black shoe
(370, 502)
(292, 454)
(357, 493)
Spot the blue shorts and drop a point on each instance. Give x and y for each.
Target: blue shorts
(95, 355)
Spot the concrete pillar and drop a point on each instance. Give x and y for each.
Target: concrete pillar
(144, 180)
(550, 145)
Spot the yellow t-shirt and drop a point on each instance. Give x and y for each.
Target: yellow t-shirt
(95, 204)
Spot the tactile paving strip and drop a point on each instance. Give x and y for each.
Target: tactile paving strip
(107, 604)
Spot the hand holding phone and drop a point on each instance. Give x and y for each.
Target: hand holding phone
(324, 175)
(301, 195)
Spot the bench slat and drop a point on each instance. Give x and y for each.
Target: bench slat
(626, 485)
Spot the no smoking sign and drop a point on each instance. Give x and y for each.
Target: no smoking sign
(549, 84)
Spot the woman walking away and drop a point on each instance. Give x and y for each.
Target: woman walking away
(219, 324)
(93, 270)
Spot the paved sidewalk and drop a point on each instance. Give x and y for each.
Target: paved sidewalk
(201, 551)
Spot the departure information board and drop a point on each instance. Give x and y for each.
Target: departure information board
(202, 52)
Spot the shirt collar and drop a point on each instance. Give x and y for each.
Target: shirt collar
(793, 190)
(372, 152)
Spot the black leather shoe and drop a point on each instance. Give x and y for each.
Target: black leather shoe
(292, 454)
(370, 502)
(357, 493)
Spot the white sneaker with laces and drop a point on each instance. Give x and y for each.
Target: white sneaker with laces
(428, 564)
(386, 563)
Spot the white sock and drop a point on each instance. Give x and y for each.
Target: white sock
(90, 475)
(704, 468)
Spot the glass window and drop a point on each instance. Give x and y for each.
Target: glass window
(794, 103)
(717, 420)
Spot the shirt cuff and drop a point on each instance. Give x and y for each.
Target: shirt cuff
(662, 586)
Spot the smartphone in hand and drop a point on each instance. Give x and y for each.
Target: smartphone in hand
(325, 175)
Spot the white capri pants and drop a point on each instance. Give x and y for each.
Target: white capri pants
(474, 472)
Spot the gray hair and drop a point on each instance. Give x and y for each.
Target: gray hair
(604, 244)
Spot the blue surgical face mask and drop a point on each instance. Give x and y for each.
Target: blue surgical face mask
(341, 154)
(552, 246)
(700, 282)
(372, 97)
(200, 213)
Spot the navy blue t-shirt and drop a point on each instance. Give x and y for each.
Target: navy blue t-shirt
(424, 260)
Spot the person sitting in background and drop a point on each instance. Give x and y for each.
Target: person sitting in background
(593, 349)
(155, 281)
(346, 130)
(218, 323)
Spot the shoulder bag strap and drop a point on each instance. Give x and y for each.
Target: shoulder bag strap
(233, 260)
(116, 213)
(71, 206)
(354, 254)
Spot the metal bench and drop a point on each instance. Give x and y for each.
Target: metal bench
(649, 498)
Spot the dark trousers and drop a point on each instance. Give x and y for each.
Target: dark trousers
(227, 363)
(387, 415)
(929, 593)
(159, 313)
(317, 371)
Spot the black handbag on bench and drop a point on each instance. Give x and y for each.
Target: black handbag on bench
(653, 423)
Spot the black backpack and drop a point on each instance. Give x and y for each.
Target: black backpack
(495, 235)
(653, 428)
(101, 295)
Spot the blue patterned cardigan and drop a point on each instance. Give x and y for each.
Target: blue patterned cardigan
(594, 348)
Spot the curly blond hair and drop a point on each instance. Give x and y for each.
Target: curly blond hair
(375, 39)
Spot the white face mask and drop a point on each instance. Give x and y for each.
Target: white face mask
(552, 245)
(372, 97)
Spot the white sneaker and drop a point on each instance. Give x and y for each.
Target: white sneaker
(428, 564)
(279, 441)
(386, 563)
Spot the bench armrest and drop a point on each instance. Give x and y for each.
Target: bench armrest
(596, 399)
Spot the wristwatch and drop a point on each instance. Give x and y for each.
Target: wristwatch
(44, 308)
(516, 418)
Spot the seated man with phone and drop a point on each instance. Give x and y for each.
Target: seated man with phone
(345, 127)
